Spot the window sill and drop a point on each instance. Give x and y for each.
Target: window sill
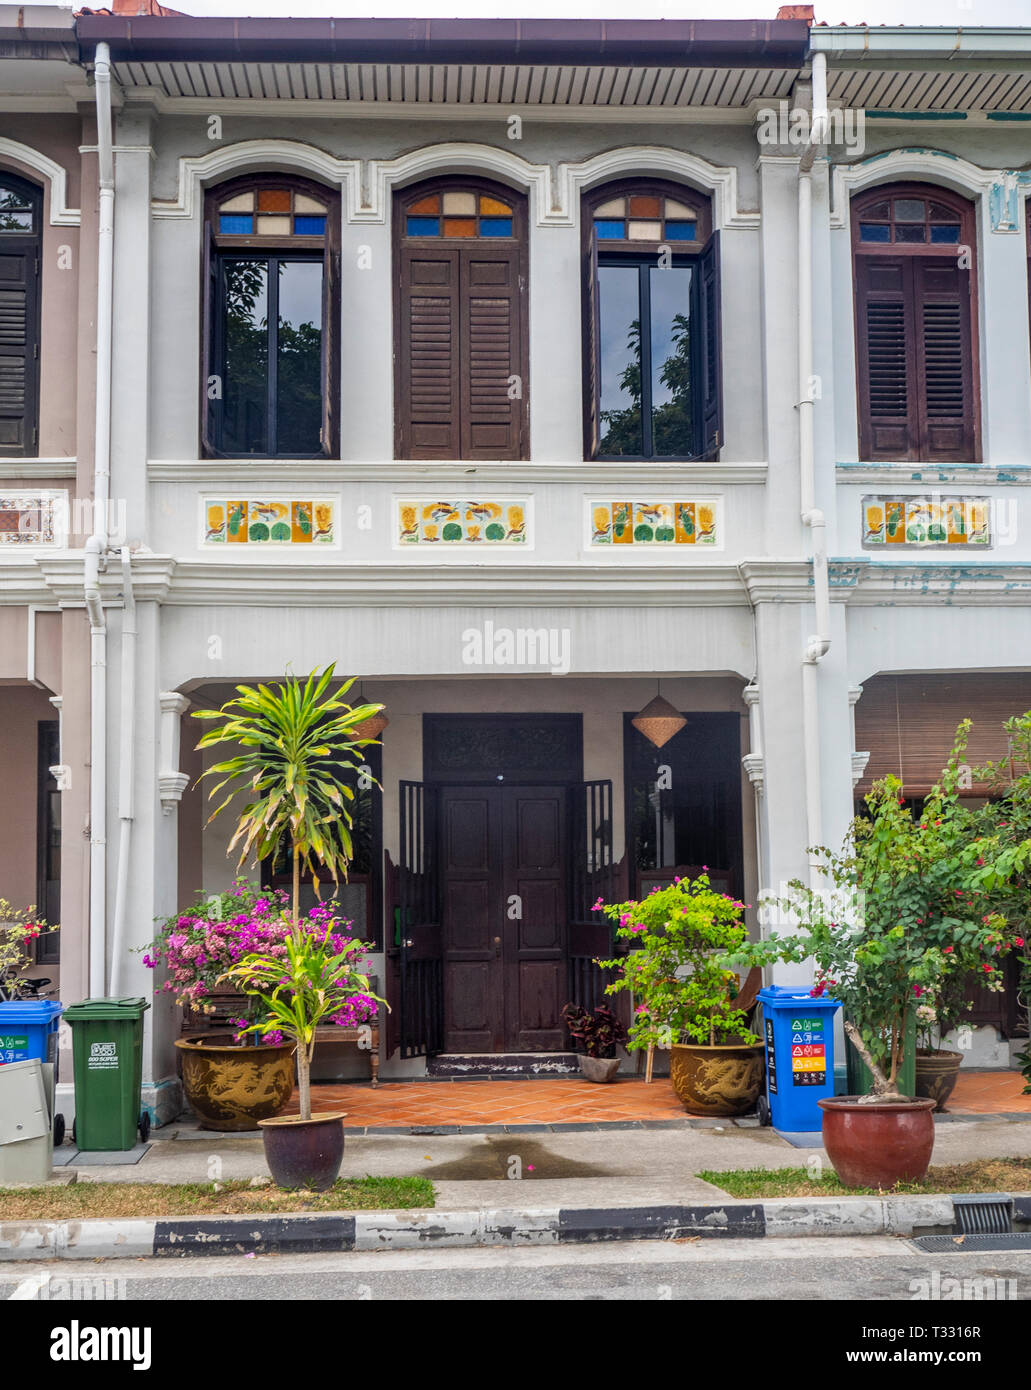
(504, 472)
(935, 474)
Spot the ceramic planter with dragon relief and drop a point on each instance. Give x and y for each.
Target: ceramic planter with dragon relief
(716, 1080)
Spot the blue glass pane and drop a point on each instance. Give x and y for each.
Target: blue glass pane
(944, 234)
(238, 223)
(871, 231)
(680, 231)
(424, 226)
(495, 226)
(310, 226)
(610, 231)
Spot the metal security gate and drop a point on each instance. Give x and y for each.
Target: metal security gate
(591, 878)
(422, 977)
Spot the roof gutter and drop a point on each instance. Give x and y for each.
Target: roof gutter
(625, 43)
(846, 41)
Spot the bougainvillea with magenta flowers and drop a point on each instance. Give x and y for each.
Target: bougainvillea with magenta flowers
(196, 947)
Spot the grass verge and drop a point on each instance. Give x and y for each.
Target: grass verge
(83, 1200)
(983, 1175)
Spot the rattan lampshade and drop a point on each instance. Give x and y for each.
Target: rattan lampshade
(373, 726)
(659, 721)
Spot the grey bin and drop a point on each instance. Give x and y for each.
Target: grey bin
(26, 1132)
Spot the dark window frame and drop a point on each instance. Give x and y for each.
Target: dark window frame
(915, 251)
(402, 242)
(31, 245)
(596, 253)
(220, 247)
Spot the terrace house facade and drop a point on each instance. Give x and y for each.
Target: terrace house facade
(532, 372)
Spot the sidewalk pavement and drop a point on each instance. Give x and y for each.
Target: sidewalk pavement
(516, 1185)
(574, 1167)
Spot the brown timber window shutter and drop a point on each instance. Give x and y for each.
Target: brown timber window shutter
(916, 314)
(461, 373)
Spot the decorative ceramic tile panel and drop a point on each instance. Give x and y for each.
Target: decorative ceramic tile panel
(926, 522)
(493, 521)
(650, 524)
(270, 522)
(37, 517)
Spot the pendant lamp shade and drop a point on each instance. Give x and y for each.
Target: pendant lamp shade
(373, 726)
(659, 721)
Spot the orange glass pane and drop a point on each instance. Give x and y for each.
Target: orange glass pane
(426, 205)
(273, 200)
(645, 207)
(492, 207)
(459, 226)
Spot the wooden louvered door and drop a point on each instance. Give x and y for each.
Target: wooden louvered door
(19, 346)
(462, 360)
(915, 354)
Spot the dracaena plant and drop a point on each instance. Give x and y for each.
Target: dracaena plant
(297, 744)
(315, 979)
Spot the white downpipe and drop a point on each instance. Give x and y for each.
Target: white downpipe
(126, 765)
(818, 643)
(96, 545)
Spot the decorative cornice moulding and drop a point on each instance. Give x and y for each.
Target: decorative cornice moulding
(367, 184)
(61, 215)
(890, 166)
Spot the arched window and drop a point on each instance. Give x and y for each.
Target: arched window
(460, 321)
(916, 324)
(651, 323)
(271, 280)
(21, 211)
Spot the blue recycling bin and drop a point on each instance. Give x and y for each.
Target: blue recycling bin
(799, 1032)
(28, 1030)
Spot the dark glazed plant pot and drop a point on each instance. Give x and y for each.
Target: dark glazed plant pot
(231, 1086)
(936, 1074)
(878, 1143)
(304, 1153)
(599, 1069)
(716, 1080)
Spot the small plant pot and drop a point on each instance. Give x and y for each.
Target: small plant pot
(304, 1153)
(936, 1074)
(600, 1069)
(716, 1080)
(232, 1087)
(878, 1143)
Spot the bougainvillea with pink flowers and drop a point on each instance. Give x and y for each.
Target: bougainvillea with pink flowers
(195, 948)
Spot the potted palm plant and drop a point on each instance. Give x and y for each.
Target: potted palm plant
(295, 744)
(684, 995)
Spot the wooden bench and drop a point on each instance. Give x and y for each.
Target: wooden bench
(333, 1033)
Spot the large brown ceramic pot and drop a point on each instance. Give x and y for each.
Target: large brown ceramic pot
(936, 1074)
(716, 1080)
(304, 1153)
(230, 1086)
(878, 1143)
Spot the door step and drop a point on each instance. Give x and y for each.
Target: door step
(521, 1065)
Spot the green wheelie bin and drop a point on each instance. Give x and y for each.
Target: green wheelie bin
(107, 1060)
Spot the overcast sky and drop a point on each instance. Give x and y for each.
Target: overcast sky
(938, 12)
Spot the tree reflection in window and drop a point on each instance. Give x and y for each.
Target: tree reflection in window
(647, 403)
(272, 348)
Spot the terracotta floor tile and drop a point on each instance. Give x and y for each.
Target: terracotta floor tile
(479, 1103)
(988, 1093)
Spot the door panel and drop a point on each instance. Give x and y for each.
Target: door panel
(504, 918)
